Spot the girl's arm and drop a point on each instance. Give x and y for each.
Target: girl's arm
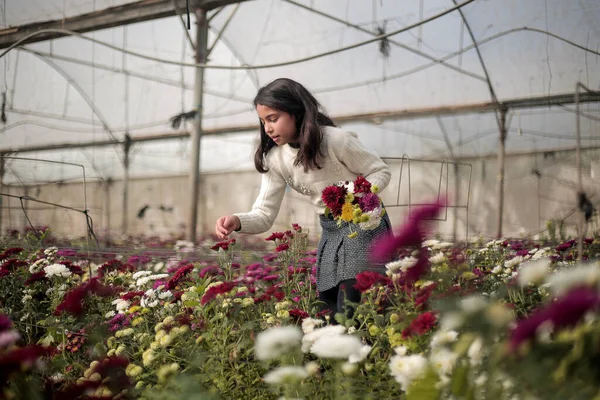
(267, 204)
(364, 162)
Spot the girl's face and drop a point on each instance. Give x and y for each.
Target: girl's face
(279, 125)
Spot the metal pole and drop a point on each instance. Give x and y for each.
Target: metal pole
(107, 185)
(456, 200)
(194, 177)
(580, 220)
(1, 189)
(501, 153)
(126, 148)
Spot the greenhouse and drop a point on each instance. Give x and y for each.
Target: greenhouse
(128, 129)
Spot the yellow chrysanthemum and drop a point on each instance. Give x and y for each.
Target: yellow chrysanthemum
(357, 212)
(347, 212)
(374, 189)
(349, 198)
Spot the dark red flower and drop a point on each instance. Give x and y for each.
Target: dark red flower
(566, 311)
(296, 227)
(37, 277)
(298, 313)
(130, 295)
(420, 325)
(369, 202)
(282, 247)
(213, 291)
(334, 197)
(368, 279)
(275, 236)
(279, 295)
(13, 251)
(181, 272)
(361, 185)
(223, 244)
(74, 299)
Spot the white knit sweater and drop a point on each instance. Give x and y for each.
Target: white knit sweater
(345, 158)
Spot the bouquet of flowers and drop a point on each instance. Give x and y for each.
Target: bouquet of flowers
(356, 203)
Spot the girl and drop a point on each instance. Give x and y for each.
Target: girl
(301, 147)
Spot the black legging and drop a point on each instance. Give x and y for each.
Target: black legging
(335, 299)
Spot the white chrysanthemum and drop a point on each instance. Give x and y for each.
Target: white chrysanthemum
(339, 347)
(374, 220)
(393, 267)
(109, 314)
(475, 352)
(309, 324)
(438, 258)
(359, 356)
(513, 262)
(534, 272)
(50, 251)
(275, 342)
(584, 274)
(57, 270)
(472, 304)
(165, 295)
(405, 369)
(442, 245)
(139, 274)
(443, 361)
(451, 321)
(181, 244)
(121, 305)
(330, 330)
(430, 243)
(286, 374)
(497, 270)
(443, 337)
(408, 262)
(38, 265)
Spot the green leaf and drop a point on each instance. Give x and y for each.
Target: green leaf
(424, 388)
(460, 383)
(191, 303)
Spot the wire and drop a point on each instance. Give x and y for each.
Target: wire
(264, 66)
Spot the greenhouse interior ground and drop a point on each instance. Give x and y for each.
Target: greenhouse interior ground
(128, 128)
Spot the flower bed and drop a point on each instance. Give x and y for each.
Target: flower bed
(488, 320)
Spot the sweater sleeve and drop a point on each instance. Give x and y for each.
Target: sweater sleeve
(364, 162)
(266, 207)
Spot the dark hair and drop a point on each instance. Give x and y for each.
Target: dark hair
(291, 97)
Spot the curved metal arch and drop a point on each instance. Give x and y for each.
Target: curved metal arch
(81, 92)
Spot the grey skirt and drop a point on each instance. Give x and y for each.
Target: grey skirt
(340, 258)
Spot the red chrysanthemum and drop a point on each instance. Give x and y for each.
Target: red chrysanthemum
(333, 197)
(275, 236)
(73, 301)
(361, 185)
(420, 325)
(368, 279)
(213, 291)
(181, 272)
(282, 247)
(566, 311)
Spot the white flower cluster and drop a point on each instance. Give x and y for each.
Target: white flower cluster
(151, 297)
(400, 265)
(50, 251)
(121, 305)
(183, 245)
(406, 369)
(146, 276)
(373, 221)
(57, 270)
(38, 265)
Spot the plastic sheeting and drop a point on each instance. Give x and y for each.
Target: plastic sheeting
(71, 90)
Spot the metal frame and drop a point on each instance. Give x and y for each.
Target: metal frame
(443, 163)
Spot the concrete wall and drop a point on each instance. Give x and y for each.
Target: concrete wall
(539, 187)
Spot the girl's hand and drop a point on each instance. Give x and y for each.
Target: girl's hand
(226, 225)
